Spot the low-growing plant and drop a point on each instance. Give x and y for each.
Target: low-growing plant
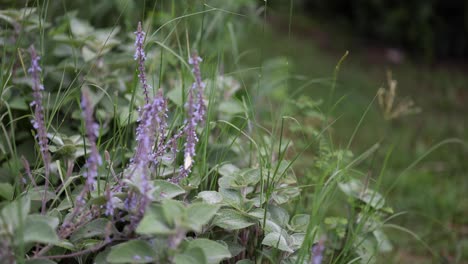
(186, 175)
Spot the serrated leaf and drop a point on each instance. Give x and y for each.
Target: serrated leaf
(231, 197)
(134, 251)
(214, 251)
(173, 211)
(154, 223)
(200, 214)
(165, 189)
(277, 240)
(231, 219)
(300, 222)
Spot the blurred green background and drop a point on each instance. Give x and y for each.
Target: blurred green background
(423, 44)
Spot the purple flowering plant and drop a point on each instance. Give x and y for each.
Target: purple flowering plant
(191, 181)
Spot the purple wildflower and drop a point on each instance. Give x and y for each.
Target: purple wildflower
(199, 86)
(317, 252)
(92, 131)
(196, 111)
(109, 204)
(152, 126)
(38, 119)
(140, 56)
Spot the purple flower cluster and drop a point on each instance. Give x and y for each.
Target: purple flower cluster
(38, 119)
(196, 111)
(94, 159)
(151, 133)
(317, 252)
(140, 56)
(92, 132)
(199, 87)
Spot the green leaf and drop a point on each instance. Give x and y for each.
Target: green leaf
(39, 231)
(228, 170)
(210, 197)
(278, 215)
(231, 197)
(153, 222)
(37, 194)
(173, 211)
(231, 219)
(382, 241)
(214, 251)
(134, 251)
(165, 189)
(193, 255)
(300, 222)
(278, 241)
(6, 191)
(200, 213)
(101, 257)
(14, 214)
(95, 228)
(51, 221)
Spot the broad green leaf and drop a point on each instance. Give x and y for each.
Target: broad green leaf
(37, 194)
(231, 197)
(95, 228)
(382, 241)
(214, 251)
(278, 215)
(14, 214)
(278, 241)
(174, 211)
(101, 257)
(297, 239)
(231, 219)
(80, 28)
(193, 255)
(51, 221)
(39, 231)
(200, 214)
(153, 222)
(165, 189)
(6, 191)
(228, 170)
(300, 222)
(210, 197)
(134, 251)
